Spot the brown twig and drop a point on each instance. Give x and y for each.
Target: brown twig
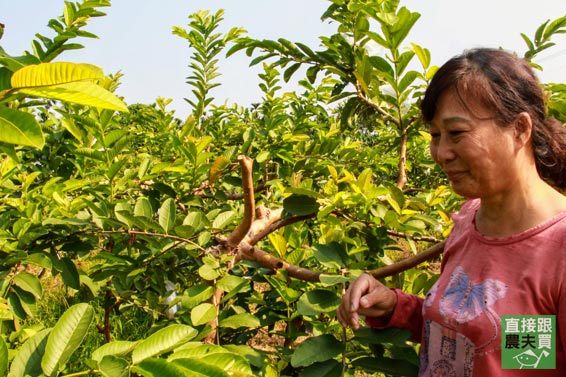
(408, 263)
(375, 106)
(243, 228)
(276, 223)
(416, 238)
(267, 260)
(235, 238)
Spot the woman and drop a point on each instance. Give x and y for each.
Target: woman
(506, 254)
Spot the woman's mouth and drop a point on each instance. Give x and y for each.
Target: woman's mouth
(455, 175)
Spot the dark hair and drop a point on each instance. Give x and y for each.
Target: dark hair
(506, 85)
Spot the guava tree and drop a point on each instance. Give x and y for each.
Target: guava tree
(220, 245)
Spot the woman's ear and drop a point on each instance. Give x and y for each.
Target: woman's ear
(523, 127)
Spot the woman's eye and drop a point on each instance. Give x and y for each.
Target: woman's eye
(456, 133)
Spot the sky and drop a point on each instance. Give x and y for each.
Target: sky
(135, 38)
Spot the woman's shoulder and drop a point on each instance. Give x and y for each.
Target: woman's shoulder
(467, 211)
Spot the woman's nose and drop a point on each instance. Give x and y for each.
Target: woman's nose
(442, 150)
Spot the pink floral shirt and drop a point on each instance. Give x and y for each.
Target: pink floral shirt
(482, 279)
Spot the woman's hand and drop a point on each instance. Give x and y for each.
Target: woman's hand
(368, 297)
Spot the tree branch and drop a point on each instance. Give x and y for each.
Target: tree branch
(248, 252)
(408, 263)
(243, 228)
(267, 260)
(274, 224)
(375, 106)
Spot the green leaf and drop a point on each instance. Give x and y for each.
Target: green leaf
(300, 205)
(263, 156)
(318, 301)
(10, 151)
(240, 320)
(27, 301)
(144, 167)
(423, 54)
(202, 314)
(407, 80)
(68, 272)
(312, 72)
(217, 356)
(162, 341)
(223, 219)
(392, 335)
(328, 368)
(332, 255)
(279, 244)
(113, 366)
(228, 361)
(143, 208)
(208, 273)
(115, 169)
(167, 215)
(29, 283)
(290, 71)
(392, 367)
(253, 356)
(66, 337)
(306, 49)
(396, 198)
(230, 283)
(288, 295)
(162, 368)
(419, 283)
(20, 128)
(114, 348)
(165, 189)
(402, 61)
(3, 357)
(316, 349)
(123, 213)
(27, 361)
(196, 294)
(199, 367)
(5, 76)
(16, 306)
(406, 20)
(71, 126)
(196, 219)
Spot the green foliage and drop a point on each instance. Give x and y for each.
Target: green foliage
(543, 36)
(132, 218)
(34, 75)
(207, 45)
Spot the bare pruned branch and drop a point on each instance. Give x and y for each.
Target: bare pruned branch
(267, 260)
(243, 228)
(410, 262)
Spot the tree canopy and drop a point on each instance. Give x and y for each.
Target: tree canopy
(135, 243)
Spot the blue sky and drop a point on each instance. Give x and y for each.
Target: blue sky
(135, 37)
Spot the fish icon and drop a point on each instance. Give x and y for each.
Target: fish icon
(530, 359)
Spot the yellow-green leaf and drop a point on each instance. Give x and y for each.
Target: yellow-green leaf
(279, 243)
(81, 92)
(47, 74)
(202, 314)
(216, 169)
(20, 128)
(162, 341)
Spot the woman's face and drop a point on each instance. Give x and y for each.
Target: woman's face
(476, 154)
